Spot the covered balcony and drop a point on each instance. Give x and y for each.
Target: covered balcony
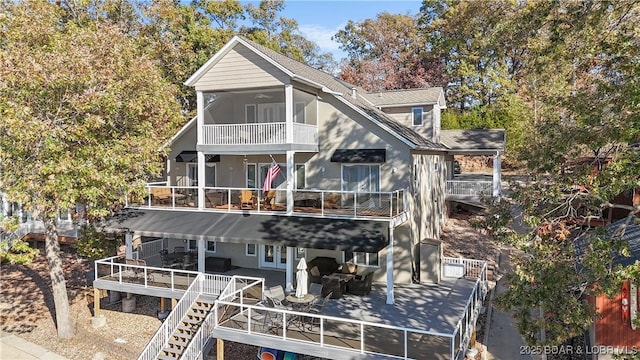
(268, 119)
(315, 203)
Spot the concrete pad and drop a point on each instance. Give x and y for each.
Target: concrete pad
(17, 348)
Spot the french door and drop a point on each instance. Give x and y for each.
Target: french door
(272, 256)
(363, 179)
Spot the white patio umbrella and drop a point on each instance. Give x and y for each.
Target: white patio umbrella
(301, 279)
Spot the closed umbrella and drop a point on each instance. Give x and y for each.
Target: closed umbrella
(301, 279)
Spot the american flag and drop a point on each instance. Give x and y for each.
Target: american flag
(272, 173)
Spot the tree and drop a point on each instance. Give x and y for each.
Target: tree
(581, 81)
(387, 53)
(84, 112)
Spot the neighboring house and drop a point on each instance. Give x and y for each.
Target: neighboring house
(362, 178)
(615, 325)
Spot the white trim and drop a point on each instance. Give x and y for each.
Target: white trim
(255, 250)
(222, 52)
(180, 132)
(381, 125)
(215, 247)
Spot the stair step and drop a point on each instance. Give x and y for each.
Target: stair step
(207, 298)
(192, 321)
(169, 350)
(200, 308)
(198, 315)
(178, 343)
(166, 357)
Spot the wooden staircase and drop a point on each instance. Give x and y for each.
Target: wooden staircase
(189, 325)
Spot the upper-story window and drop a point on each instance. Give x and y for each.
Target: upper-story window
(299, 114)
(417, 116)
(250, 113)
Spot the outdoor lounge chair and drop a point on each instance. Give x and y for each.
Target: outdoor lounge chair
(331, 285)
(266, 203)
(276, 293)
(361, 284)
(247, 200)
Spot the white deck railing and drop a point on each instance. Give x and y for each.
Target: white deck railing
(469, 188)
(307, 202)
(464, 328)
(258, 134)
(115, 270)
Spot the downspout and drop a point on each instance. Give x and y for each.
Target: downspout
(390, 297)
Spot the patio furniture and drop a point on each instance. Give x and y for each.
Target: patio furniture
(217, 264)
(179, 250)
(324, 266)
(315, 290)
(247, 199)
(331, 285)
(317, 309)
(266, 203)
(276, 293)
(360, 284)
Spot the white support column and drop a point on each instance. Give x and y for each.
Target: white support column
(200, 117)
(289, 275)
(497, 174)
(201, 255)
(201, 181)
(291, 168)
(288, 112)
(128, 243)
(200, 138)
(390, 298)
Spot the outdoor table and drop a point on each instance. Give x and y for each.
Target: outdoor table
(301, 304)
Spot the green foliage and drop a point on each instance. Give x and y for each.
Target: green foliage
(17, 251)
(95, 244)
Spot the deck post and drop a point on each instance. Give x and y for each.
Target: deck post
(201, 255)
(496, 175)
(290, 176)
(128, 242)
(390, 299)
(201, 181)
(174, 302)
(96, 301)
(220, 349)
(162, 304)
(289, 272)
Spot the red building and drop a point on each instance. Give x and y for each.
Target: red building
(615, 327)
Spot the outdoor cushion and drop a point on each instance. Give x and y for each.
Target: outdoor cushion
(314, 271)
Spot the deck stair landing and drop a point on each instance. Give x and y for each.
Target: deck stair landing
(189, 325)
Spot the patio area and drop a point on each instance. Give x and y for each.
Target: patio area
(420, 321)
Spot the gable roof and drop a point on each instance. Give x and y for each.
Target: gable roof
(479, 140)
(341, 90)
(407, 97)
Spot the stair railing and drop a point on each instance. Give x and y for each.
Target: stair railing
(170, 324)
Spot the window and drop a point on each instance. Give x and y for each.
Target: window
(192, 174)
(192, 245)
(251, 250)
(361, 178)
(210, 175)
(251, 176)
(362, 258)
(301, 182)
(211, 246)
(417, 116)
(299, 115)
(250, 113)
(64, 215)
(300, 253)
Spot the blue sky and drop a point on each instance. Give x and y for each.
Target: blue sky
(319, 20)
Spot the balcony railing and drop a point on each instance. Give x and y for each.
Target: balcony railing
(317, 203)
(469, 188)
(258, 134)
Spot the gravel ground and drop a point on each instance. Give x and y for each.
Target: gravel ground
(26, 305)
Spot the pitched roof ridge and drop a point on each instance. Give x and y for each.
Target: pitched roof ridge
(401, 90)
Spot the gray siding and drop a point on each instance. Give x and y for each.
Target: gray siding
(404, 116)
(241, 68)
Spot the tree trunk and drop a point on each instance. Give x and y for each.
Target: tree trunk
(58, 283)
